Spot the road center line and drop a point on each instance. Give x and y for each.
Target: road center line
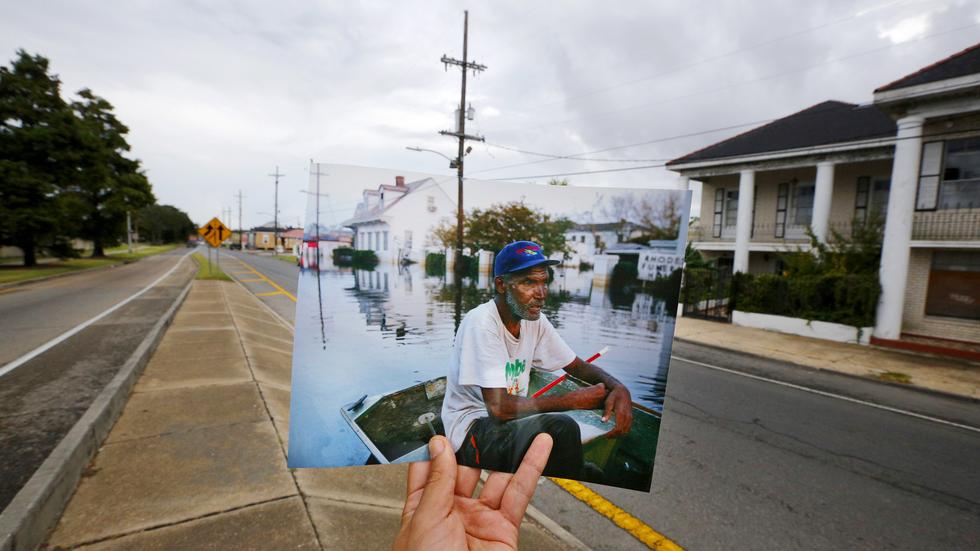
(67, 334)
(831, 395)
(269, 281)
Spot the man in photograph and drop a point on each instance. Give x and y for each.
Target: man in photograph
(489, 417)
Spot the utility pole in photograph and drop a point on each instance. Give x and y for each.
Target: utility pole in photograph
(275, 211)
(240, 232)
(462, 114)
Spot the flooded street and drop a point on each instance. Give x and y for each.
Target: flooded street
(372, 332)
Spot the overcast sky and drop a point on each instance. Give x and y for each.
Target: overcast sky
(217, 94)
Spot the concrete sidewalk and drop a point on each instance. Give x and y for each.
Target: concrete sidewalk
(197, 459)
(950, 376)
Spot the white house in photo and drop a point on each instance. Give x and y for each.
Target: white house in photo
(912, 157)
(395, 221)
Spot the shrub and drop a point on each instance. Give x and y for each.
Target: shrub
(346, 256)
(849, 299)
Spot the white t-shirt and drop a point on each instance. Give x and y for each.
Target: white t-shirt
(486, 355)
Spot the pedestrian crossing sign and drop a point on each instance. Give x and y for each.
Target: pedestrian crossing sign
(214, 232)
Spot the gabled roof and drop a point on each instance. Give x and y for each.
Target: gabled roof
(966, 62)
(362, 216)
(825, 123)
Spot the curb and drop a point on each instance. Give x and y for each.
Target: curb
(916, 388)
(37, 507)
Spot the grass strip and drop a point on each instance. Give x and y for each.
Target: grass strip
(10, 273)
(287, 258)
(208, 271)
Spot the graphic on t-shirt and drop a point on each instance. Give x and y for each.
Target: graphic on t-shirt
(513, 371)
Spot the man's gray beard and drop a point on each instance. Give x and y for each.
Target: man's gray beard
(519, 311)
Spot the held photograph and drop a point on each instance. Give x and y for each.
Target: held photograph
(554, 313)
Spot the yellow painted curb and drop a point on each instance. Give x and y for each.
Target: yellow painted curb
(636, 527)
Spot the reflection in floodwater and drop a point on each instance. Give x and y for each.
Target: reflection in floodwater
(389, 328)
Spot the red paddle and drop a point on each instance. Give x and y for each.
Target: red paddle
(552, 384)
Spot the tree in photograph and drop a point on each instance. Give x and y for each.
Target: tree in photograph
(502, 223)
(107, 183)
(164, 224)
(645, 219)
(36, 135)
(443, 235)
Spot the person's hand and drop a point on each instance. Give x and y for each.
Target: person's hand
(440, 512)
(590, 397)
(620, 403)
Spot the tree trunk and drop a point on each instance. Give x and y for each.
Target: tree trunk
(97, 249)
(30, 253)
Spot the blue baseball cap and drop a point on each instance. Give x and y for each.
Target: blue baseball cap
(520, 255)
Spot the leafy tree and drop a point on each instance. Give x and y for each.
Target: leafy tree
(36, 134)
(164, 223)
(443, 235)
(503, 223)
(108, 184)
(654, 220)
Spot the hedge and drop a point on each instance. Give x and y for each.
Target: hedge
(346, 256)
(850, 299)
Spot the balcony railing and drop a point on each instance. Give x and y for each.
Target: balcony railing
(947, 225)
(940, 225)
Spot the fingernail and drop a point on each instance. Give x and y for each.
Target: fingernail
(435, 447)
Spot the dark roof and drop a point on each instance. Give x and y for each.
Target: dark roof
(604, 226)
(825, 123)
(966, 62)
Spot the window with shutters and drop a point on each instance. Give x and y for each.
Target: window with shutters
(782, 204)
(719, 206)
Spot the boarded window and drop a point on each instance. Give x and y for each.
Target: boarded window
(954, 285)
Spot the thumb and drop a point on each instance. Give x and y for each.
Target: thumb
(437, 497)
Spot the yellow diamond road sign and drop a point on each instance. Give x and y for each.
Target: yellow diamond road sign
(214, 232)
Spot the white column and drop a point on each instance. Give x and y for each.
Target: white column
(743, 222)
(894, 269)
(683, 182)
(822, 196)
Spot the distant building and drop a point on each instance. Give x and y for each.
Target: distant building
(911, 157)
(588, 240)
(395, 221)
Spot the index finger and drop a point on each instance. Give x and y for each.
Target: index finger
(521, 487)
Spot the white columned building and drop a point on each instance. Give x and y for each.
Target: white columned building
(895, 250)
(743, 220)
(822, 194)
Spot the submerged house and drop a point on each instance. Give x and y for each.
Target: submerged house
(912, 157)
(395, 221)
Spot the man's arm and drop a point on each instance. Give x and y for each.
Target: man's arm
(618, 401)
(504, 407)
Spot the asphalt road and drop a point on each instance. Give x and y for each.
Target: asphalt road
(42, 399)
(34, 313)
(751, 464)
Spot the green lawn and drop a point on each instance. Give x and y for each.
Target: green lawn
(10, 273)
(204, 271)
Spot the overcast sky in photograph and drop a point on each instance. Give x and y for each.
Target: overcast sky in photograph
(217, 94)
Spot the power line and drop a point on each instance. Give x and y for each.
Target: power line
(887, 141)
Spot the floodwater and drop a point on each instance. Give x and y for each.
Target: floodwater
(373, 332)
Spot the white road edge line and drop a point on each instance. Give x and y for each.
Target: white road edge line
(830, 395)
(67, 334)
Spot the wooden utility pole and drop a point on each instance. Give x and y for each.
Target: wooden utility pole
(275, 213)
(461, 135)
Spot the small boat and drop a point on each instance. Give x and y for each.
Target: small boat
(396, 428)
